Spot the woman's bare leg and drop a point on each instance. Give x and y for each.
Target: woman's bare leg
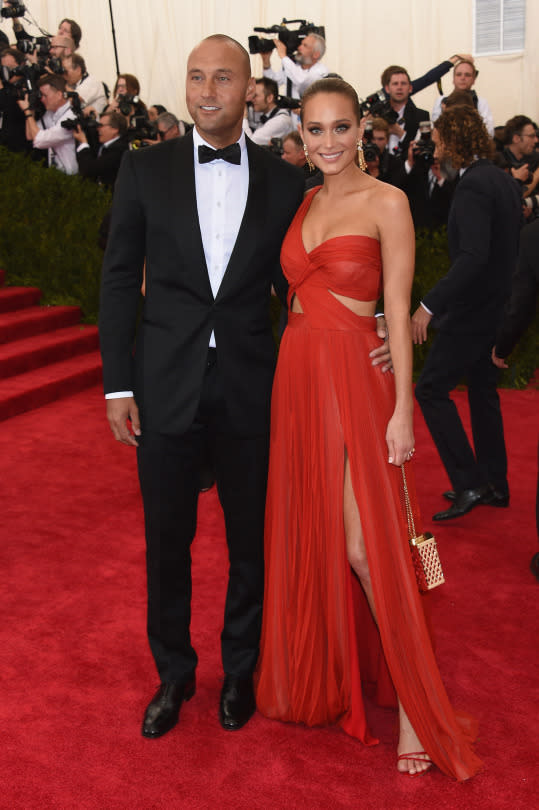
(357, 557)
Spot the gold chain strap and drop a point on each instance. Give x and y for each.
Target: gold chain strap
(409, 513)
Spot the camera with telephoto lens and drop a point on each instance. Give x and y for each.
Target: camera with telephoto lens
(126, 102)
(88, 123)
(276, 146)
(423, 149)
(39, 45)
(290, 38)
(25, 86)
(379, 106)
(12, 10)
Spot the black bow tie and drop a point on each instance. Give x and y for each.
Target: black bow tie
(232, 154)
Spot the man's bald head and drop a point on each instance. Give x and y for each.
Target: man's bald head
(226, 40)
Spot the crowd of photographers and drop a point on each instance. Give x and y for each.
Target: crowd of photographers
(52, 108)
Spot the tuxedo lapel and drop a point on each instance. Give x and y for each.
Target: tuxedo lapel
(251, 224)
(184, 205)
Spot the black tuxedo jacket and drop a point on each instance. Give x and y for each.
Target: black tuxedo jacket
(521, 308)
(483, 234)
(154, 218)
(412, 118)
(104, 168)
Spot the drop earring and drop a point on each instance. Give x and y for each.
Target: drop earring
(310, 164)
(361, 157)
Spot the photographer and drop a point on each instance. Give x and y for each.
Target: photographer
(48, 133)
(90, 90)
(429, 189)
(275, 122)
(521, 153)
(464, 76)
(398, 87)
(103, 167)
(12, 123)
(302, 73)
(380, 164)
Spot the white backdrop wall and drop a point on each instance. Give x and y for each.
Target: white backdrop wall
(154, 39)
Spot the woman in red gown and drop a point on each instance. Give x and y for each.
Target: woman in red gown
(337, 553)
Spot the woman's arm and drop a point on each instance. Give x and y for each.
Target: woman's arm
(398, 249)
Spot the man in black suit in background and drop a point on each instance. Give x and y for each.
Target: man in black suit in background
(518, 316)
(398, 86)
(103, 167)
(208, 212)
(483, 233)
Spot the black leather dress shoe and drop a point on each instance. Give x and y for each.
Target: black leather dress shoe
(237, 704)
(164, 708)
(463, 503)
(491, 497)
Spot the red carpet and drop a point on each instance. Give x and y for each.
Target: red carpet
(77, 674)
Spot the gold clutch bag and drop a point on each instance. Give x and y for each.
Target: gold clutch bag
(425, 557)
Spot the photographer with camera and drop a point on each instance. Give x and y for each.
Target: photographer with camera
(275, 121)
(405, 118)
(49, 133)
(429, 188)
(380, 164)
(300, 73)
(521, 153)
(12, 123)
(89, 89)
(103, 167)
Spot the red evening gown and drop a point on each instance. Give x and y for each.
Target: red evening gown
(319, 642)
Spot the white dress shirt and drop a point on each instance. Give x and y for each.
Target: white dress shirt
(59, 142)
(221, 196)
(482, 108)
(300, 77)
(92, 93)
(278, 126)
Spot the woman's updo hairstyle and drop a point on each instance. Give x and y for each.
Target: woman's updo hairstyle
(338, 86)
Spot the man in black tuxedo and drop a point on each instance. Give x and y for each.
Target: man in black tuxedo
(399, 88)
(208, 213)
(103, 167)
(518, 316)
(483, 233)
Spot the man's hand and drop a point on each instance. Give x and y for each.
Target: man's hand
(23, 103)
(420, 324)
(521, 173)
(499, 362)
(280, 47)
(461, 57)
(78, 134)
(118, 412)
(396, 129)
(382, 353)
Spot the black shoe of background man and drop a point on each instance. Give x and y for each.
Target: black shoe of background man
(492, 497)
(534, 565)
(464, 502)
(163, 710)
(237, 704)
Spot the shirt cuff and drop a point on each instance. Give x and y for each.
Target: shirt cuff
(82, 146)
(119, 395)
(426, 309)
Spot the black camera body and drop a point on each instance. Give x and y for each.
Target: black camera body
(12, 10)
(290, 38)
(25, 86)
(287, 103)
(379, 106)
(423, 151)
(41, 45)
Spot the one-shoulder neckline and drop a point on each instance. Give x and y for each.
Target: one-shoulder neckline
(330, 238)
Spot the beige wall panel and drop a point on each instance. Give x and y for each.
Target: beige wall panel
(363, 37)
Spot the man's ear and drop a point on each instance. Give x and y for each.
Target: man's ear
(251, 89)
